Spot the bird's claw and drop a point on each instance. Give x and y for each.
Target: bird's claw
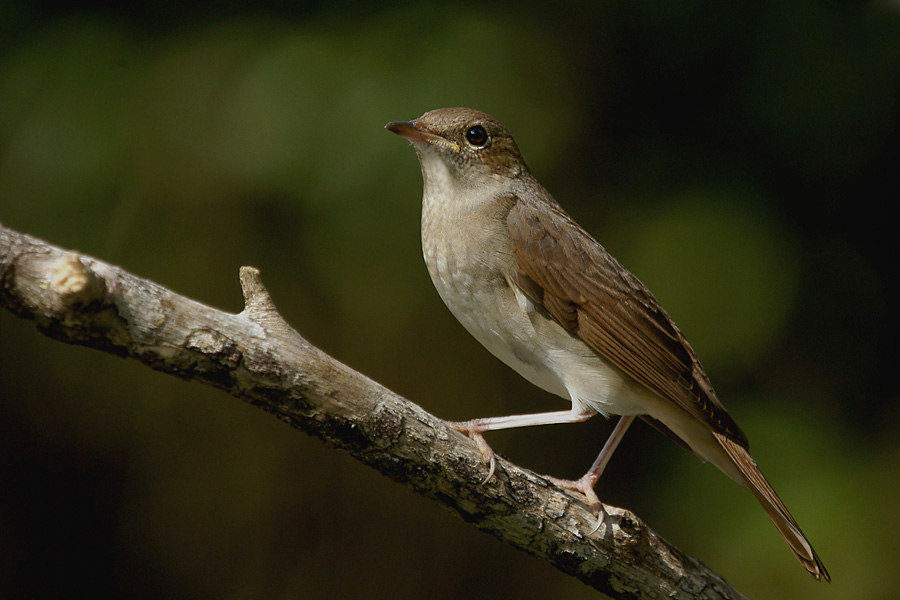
(492, 466)
(487, 453)
(601, 517)
(585, 486)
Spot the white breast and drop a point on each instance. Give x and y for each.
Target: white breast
(466, 250)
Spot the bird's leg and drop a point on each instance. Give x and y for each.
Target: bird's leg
(586, 483)
(476, 427)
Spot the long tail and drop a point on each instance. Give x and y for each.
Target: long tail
(774, 507)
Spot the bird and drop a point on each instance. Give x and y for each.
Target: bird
(543, 296)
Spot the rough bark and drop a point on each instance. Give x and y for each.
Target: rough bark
(256, 356)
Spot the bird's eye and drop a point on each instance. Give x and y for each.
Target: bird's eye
(477, 136)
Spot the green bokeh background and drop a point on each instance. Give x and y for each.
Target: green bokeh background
(740, 158)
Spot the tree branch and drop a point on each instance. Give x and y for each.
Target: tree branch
(257, 357)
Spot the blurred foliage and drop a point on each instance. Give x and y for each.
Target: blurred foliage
(738, 157)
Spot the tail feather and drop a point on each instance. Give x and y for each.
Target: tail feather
(774, 507)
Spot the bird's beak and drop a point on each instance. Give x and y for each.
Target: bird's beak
(415, 134)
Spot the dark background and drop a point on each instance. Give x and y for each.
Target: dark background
(739, 157)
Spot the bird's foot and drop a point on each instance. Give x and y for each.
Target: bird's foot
(585, 485)
(473, 431)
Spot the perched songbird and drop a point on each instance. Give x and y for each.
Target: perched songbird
(548, 300)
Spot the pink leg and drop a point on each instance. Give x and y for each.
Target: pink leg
(476, 427)
(586, 483)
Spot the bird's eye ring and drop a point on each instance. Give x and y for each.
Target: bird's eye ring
(477, 136)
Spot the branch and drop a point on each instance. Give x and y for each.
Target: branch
(257, 357)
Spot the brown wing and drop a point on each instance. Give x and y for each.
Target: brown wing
(583, 288)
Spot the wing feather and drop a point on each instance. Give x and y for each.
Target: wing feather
(584, 289)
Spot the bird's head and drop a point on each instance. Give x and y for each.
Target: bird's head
(472, 146)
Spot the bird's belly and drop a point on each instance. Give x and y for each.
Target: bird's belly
(512, 328)
(511, 340)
